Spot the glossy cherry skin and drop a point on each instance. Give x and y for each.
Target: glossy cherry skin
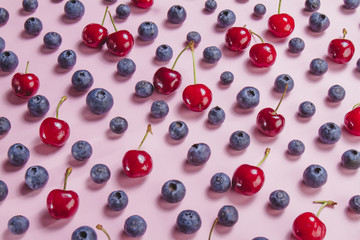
(341, 50)
(248, 179)
(120, 43)
(308, 227)
(281, 25)
(197, 97)
(270, 123)
(237, 38)
(262, 55)
(137, 163)
(166, 80)
(94, 35)
(62, 203)
(54, 131)
(143, 3)
(352, 121)
(25, 85)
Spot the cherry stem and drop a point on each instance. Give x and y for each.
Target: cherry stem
(68, 171)
(282, 97)
(112, 21)
(100, 227)
(178, 56)
(102, 23)
(257, 35)
(324, 204)
(267, 151)
(192, 45)
(27, 66)
(356, 105)
(59, 104)
(213, 226)
(148, 130)
(279, 6)
(344, 33)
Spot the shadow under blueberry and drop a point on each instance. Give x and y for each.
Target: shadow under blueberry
(273, 212)
(141, 43)
(71, 91)
(345, 171)
(312, 33)
(66, 20)
(352, 216)
(113, 136)
(60, 70)
(191, 168)
(170, 25)
(31, 119)
(8, 235)
(119, 78)
(25, 35)
(166, 205)
(8, 167)
(90, 116)
(108, 212)
(45, 50)
(301, 119)
(214, 195)
(171, 141)
(322, 146)
(25, 190)
(177, 235)
(290, 157)
(233, 152)
(312, 77)
(93, 185)
(237, 109)
(206, 65)
(346, 11)
(211, 126)
(22, 12)
(75, 163)
(153, 120)
(308, 190)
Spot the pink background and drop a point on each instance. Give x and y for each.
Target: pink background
(282, 171)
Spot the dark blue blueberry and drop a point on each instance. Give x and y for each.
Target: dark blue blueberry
(38, 105)
(3, 191)
(176, 14)
(296, 147)
(81, 150)
(159, 109)
(178, 130)
(82, 80)
(52, 40)
(33, 26)
(164, 53)
(216, 116)
(315, 176)
(318, 22)
(135, 226)
(354, 204)
(144, 89)
(123, 11)
(18, 224)
(4, 16)
(228, 216)
(307, 109)
(18, 154)
(279, 199)
(99, 101)
(173, 191)
(212, 54)
(318, 66)
(281, 81)
(312, 5)
(358, 64)
(351, 4)
(126, 67)
(296, 45)
(100, 173)
(188, 221)
(30, 5)
(260, 238)
(198, 154)
(248, 97)
(226, 78)
(118, 125)
(259, 10)
(210, 5)
(5, 125)
(8, 61)
(329, 133)
(350, 159)
(193, 36)
(84, 233)
(220, 182)
(74, 9)
(336, 93)
(2, 44)
(118, 200)
(239, 140)
(226, 18)
(36, 177)
(67, 59)
(148, 31)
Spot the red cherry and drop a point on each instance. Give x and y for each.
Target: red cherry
(248, 179)
(262, 54)
(281, 24)
(341, 50)
(62, 203)
(143, 3)
(94, 35)
(352, 120)
(54, 131)
(137, 163)
(237, 38)
(26, 84)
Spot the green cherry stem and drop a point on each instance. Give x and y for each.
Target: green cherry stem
(58, 106)
(112, 21)
(27, 67)
(148, 130)
(344, 33)
(267, 151)
(100, 227)
(178, 56)
(279, 6)
(213, 226)
(192, 46)
(68, 171)
(282, 97)
(262, 40)
(102, 23)
(324, 204)
(355, 106)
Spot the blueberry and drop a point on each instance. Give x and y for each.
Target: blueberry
(18, 154)
(18, 224)
(228, 216)
(74, 9)
(329, 133)
(315, 176)
(82, 80)
(173, 191)
(30, 5)
(312, 5)
(198, 154)
(188, 221)
(67, 59)
(84, 233)
(281, 81)
(318, 22)
(279, 199)
(296, 147)
(148, 31)
(144, 89)
(248, 97)
(8, 61)
(336, 93)
(123, 11)
(216, 116)
(33, 26)
(99, 101)
(159, 109)
(259, 10)
(307, 109)
(226, 18)
(118, 200)
(351, 4)
(239, 140)
(100, 173)
(176, 14)
(81, 150)
(226, 78)
(318, 66)
(193, 36)
(212, 54)
(178, 130)
(358, 64)
(4, 16)
(210, 5)
(220, 182)
(38, 105)
(350, 159)
(135, 226)
(296, 45)
(2, 44)
(260, 238)
(118, 125)
(5, 125)
(52, 40)
(164, 53)
(36, 177)
(126, 67)
(354, 204)
(3, 191)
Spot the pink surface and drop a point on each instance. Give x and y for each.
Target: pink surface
(281, 170)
